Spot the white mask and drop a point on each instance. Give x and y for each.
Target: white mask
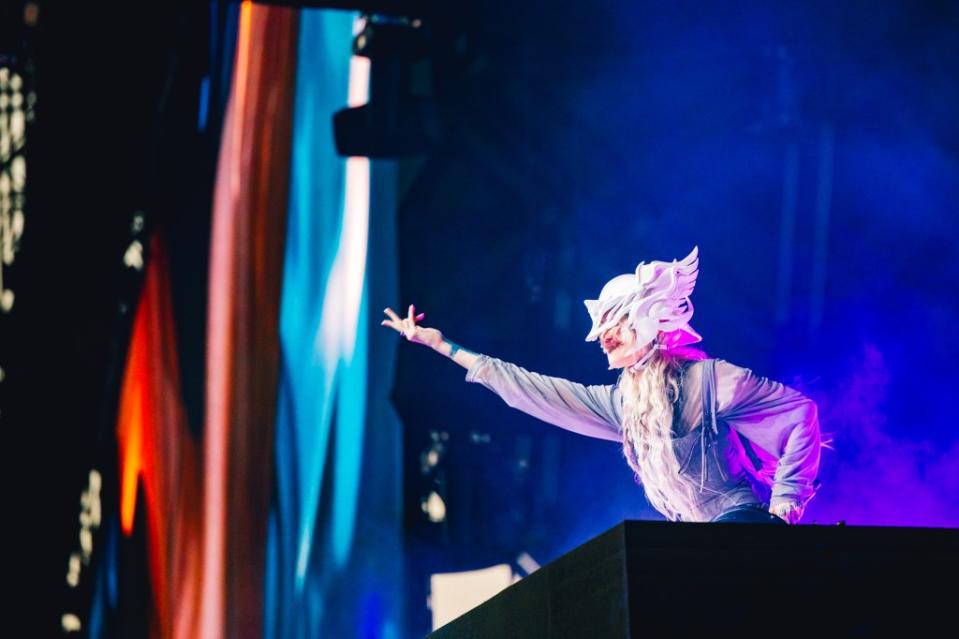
(655, 300)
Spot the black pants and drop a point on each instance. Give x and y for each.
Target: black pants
(748, 514)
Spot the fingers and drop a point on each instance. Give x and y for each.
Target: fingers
(413, 317)
(400, 324)
(789, 513)
(394, 320)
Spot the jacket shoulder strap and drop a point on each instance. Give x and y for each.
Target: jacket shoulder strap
(709, 396)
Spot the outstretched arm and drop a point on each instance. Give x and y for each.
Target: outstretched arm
(428, 336)
(588, 410)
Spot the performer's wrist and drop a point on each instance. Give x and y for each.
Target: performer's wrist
(788, 510)
(462, 356)
(449, 348)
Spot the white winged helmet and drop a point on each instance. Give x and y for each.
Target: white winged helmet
(654, 299)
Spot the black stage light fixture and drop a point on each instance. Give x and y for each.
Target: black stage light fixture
(396, 121)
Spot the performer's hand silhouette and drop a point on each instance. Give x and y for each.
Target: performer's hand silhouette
(789, 512)
(408, 327)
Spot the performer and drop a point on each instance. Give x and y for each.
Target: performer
(708, 440)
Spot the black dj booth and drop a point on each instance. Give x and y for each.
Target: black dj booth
(650, 579)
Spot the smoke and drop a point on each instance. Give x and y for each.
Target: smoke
(872, 477)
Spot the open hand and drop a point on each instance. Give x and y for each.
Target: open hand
(791, 513)
(410, 330)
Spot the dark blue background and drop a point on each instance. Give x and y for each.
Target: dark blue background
(587, 139)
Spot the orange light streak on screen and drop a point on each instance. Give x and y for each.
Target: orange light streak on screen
(158, 457)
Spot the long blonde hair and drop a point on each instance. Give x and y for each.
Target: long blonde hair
(649, 398)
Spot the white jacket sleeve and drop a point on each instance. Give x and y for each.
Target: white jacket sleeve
(781, 421)
(594, 411)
